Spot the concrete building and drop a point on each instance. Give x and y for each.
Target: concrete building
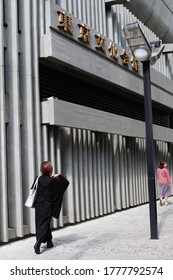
(70, 93)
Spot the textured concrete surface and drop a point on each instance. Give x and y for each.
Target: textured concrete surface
(123, 235)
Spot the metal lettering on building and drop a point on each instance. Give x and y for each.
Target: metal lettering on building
(84, 33)
(113, 51)
(109, 49)
(100, 40)
(65, 21)
(124, 58)
(135, 64)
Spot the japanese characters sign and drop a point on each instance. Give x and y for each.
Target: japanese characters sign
(79, 31)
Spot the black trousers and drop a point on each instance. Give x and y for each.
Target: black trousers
(43, 215)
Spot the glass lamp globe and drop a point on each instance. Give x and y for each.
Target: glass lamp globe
(141, 54)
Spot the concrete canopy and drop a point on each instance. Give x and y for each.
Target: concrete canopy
(157, 15)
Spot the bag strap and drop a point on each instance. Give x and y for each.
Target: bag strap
(35, 183)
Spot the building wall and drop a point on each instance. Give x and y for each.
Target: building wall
(107, 171)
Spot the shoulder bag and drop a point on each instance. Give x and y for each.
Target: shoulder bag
(32, 194)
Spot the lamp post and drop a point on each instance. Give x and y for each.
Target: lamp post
(147, 53)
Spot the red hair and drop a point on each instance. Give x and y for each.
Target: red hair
(162, 163)
(46, 168)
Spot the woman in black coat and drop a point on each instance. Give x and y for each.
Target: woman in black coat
(48, 202)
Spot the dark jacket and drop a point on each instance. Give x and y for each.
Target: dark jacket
(52, 189)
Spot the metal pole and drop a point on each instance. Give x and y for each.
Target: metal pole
(150, 150)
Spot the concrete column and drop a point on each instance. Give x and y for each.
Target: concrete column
(116, 172)
(126, 171)
(52, 158)
(76, 175)
(13, 128)
(35, 83)
(58, 165)
(103, 172)
(91, 174)
(67, 171)
(107, 174)
(122, 172)
(130, 171)
(3, 147)
(45, 142)
(81, 176)
(99, 175)
(28, 99)
(41, 16)
(95, 180)
(85, 168)
(110, 172)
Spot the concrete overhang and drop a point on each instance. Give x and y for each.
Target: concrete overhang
(56, 112)
(168, 48)
(157, 15)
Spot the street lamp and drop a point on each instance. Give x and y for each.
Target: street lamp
(147, 53)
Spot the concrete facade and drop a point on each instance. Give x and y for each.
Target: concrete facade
(101, 153)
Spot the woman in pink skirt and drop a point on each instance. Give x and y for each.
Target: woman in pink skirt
(164, 182)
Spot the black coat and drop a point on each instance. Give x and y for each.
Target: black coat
(48, 203)
(52, 189)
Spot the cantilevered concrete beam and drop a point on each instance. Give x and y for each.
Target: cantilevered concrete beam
(157, 15)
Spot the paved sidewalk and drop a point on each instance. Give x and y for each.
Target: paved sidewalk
(124, 235)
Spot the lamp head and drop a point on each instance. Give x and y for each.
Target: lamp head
(141, 49)
(141, 54)
(137, 41)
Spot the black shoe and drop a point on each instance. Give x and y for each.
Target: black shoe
(49, 244)
(37, 247)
